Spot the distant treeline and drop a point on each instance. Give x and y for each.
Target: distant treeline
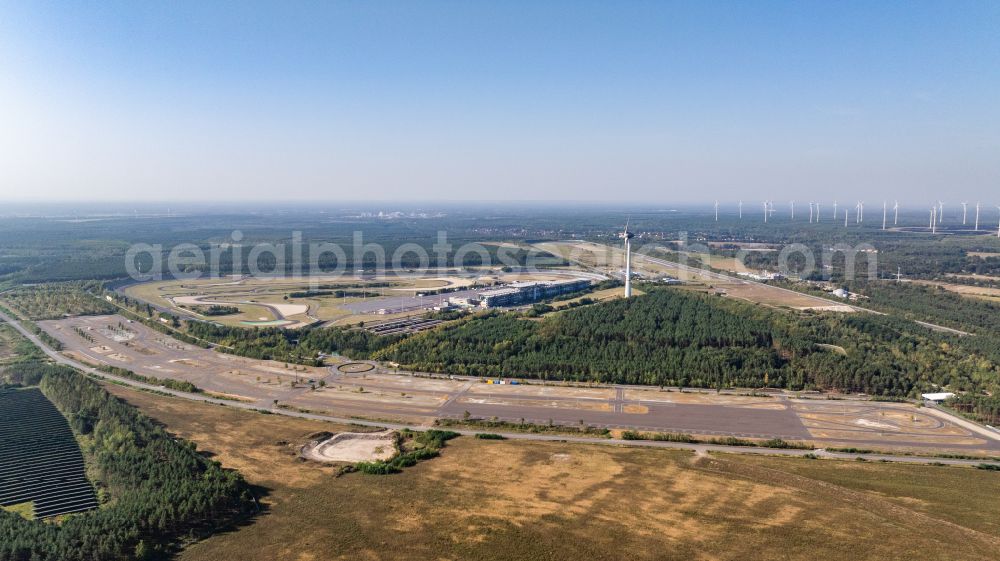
(159, 488)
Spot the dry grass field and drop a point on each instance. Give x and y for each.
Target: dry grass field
(296, 302)
(611, 259)
(981, 292)
(9, 340)
(493, 500)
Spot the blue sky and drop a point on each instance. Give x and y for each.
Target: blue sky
(636, 101)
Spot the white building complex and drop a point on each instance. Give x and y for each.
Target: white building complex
(526, 292)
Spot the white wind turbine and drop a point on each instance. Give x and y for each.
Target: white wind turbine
(859, 212)
(817, 213)
(810, 212)
(627, 236)
(846, 213)
(765, 212)
(977, 216)
(834, 210)
(885, 207)
(940, 214)
(895, 210)
(716, 211)
(965, 210)
(792, 205)
(740, 205)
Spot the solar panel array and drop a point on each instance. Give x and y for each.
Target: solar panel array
(40, 460)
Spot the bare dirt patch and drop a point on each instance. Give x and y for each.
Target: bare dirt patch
(352, 447)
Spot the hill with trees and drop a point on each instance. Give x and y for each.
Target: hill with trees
(677, 337)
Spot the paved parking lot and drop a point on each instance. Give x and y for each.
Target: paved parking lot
(382, 394)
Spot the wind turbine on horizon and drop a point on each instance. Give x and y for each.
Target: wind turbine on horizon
(834, 210)
(965, 209)
(740, 205)
(792, 204)
(895, 210)
(884, 213)
(977, 216)
(716, 211)
(940, 214)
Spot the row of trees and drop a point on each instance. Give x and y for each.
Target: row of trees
(291, 345)
(985, 409)
(161, 488)
(934, 304)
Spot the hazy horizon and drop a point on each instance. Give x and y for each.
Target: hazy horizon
(640, 103)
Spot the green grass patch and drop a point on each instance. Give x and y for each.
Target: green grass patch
(413, 447)
(25, 510)
(724, 441)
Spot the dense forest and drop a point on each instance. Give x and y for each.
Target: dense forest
(675, 337)
(933, 304)
(985, 409)
(291, 345)
(159, 489)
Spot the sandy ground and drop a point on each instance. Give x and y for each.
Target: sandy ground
(611, 259)
(352, 447)
(542, 391)
(966, 290)
(438, 282)
(290, 309)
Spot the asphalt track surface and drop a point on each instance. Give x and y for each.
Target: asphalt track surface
(416, 397)
(701, 448)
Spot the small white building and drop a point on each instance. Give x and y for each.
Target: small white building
(937, 397)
